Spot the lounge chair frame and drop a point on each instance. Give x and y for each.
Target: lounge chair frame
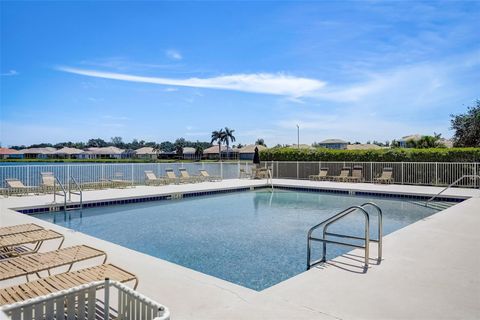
(357, 175)
(186, 177)
(171, 177)
(207, 177)
(45, 261)
(344, 174)
(321, 176)
(19, 228)
(16, 187)
(385, 177)
(14, 244)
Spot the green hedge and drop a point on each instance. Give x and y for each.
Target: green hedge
(389, 155)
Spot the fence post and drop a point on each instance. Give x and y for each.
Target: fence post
(238, 169)
(133, 181)
(371, 171)
(68, 178)
(221, 170)
(402, 172)
(106, 299)
(298, 168)
(436, 173)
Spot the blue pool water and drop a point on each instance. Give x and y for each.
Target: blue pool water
(255, 239)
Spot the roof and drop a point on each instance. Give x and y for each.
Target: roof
(251, 148)
(363, 146)
(145, 150)
(66, 150)
(190, 150)
(214, 150)
(8, 151)
(415, 136)
(333, 141)
(105, 150)
(47, 150)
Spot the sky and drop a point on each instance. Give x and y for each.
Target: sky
(156, 71)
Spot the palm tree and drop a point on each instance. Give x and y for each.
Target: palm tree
(217, 136)
(157, 149)
(260, 142)
(228, 137)
(198, 150)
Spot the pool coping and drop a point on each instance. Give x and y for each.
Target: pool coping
(52, 207)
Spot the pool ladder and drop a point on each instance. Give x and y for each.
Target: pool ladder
(342, 214)
(69, 192)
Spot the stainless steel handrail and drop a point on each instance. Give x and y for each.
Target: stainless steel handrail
(326, 223)
(475, 176)
(55, 192)
(269, 176)
(379, 228)
(79, 193)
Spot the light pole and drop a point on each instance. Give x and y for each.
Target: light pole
(298, 136)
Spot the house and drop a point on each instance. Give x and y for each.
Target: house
(37, 153)
(336, 144)
(146, 153)
(212, 153)
(402, 143)
(107, 153)
(67, 153)
(247, 152)
(190, 153)
(6, 153)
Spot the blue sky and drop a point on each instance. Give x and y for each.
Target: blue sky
(162, 70)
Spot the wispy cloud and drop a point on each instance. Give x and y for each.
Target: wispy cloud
(267, 83)
(10, 73)
(110, 117)
(173, 54)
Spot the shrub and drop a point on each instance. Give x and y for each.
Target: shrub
(387, 155)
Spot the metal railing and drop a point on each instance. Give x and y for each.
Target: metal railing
(85, 302)
(62, 188)
(412, 173)
(471, 176)
(342, 214)
(78, 193)
(100, 175)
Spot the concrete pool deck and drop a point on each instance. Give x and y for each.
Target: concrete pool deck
(430, 269)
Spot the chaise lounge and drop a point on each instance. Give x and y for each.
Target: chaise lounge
(321, 176)
(386, 177)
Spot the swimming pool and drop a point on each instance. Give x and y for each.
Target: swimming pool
(253, 238)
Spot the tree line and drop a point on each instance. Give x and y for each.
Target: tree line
(166, 146)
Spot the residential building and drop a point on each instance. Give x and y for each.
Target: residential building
(37, 153)
(247, 152)
(146, 153)
(6, 153)
(189, 153)
(212, 153)
(67, 153)
(336, 144)
(402, 143)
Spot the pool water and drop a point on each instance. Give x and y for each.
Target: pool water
(254, 238)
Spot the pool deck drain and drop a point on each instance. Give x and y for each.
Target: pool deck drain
(430, 268)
